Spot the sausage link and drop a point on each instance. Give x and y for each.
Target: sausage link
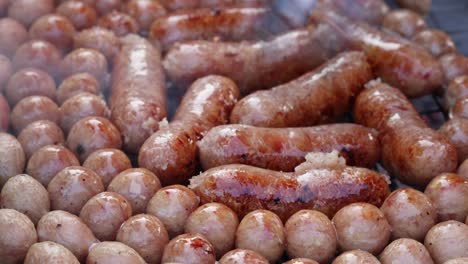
(138, 94)
(191, 4)
(420, 6)
(320, 96)
(411, 150)
(171, 153)
(282, 149)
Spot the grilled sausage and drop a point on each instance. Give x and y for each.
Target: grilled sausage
(107, 163)
(57, 29)
(39, 54)
(39, 134)
(190, 249)
(27, 82)
(191, 4)
(12, 35)
(356, 257)
(6, 70)
(4, 114)
(447, 240)
(420, 6)
(240, 256)
(12, 157)
(437, 42)
(456, 90)
(120, 23)
(144, 12)
(48, 252)
(100, 39)
(33, 108)
(81, 14)
(403, 22)
(75, 84)
(27, 11)
(453, 65)
(405, 250)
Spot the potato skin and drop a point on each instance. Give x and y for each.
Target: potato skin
(12, 157)
(405, 250)
(51, 253)
(190, 249)
(17, 234)
(68, 230)
(447, 240)
(26, 195)
(113, 252)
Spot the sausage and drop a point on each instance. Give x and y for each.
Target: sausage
(301, 261)
(457, 261)
(12, 157)
(138, 92)
(27, 11)
(410, 213)
(228, 24)
(91, 134)
(173, 205)
(4, 114)
(171, 153)
(27, 82)
(191, 4)
(137, 186)
(120, 23)
(405, 250)
(310, 234)
(86, 60)
(18, 234)
(457, 89)
(107, 163)
(55, 28)
(47, 161)
(437, 42)
(320, 96)
(395, 61)
(106, 6)
(245, 188)
(72, 187)
(39, 54)
(75, 84)
(240, 256)
(100, 39)
(356, 257)
(463, 170)
(4, 7)
(420, 6)
(459, 110)
(190, 249)
(80, 106)
(79, 13)
(110, 252)
(404, 22)
(33, 108)
(453, 65)
(254, 65)
(282, 149)
(104, 213)
(12, 35)
(146, 234)
(48, 252)
(447, 240)
(369, 11)
(456, 130)
(411, 151)
(449, 194)
(6, 70)
(39, 134)
(144, 12)
(222, 223)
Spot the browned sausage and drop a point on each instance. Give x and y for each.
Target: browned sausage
(107, 163)
(241, 256)
(120, 23)
(282, 149)
(144, 11)
(4, 114)
(80, 14)
(320, 96)
(437, 42)
(12, 35)
(86, 60)
(420, 6)
(39, 134)
(460, 109)
(100, 39)
(246, 188)
(411, 150)
(171, 153)
(229, 24)
(453, 65)
(369, 11)
(28, 82)
(456, 130)
(190, 249)
(191, 4)
(457, 89)
(138, 94)
(39, 54)
(403, 22)
(33, 108)
(404, 250)
(27, 11)
(57, 29)
(75, 84)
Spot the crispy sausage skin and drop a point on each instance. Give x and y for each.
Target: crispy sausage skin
(254, 65)
(227, 24)
(138, 95)
(245, 188)
(411, 150)
(282, 149)
(171, 153)
(320, 96)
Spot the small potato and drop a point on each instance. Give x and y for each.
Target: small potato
(449, 194)
(28, 82)
(456, 130)
(457, 261)
(107, 163)
(26, 195)
(457, 89)
(33, 108)
(262, 231)
(12, 35)
(50, 253)
(4, 114)
(104, 213)
(447, 240)
(453, 65)
(173, 205)
(68, 230)
(361, 226)
(120, 23)
(27, 11)
(46, 162)
(404, 22)
(79, 13)
(189, 249)
(137, 186)
(12, 157)
(405, 250)
(91, 134)
(100, 39)
(356, 257)
(6, 70)
(72, 187)
(146, 234)
(217, 222)
(75, 84)
(39, 54)
(144, 11)
(80, 106)
(410, 213)
(86, 60)
(301, 261)
(113, 252)
(54, 28)
(435, 41)
(240, 256)
(39, 134)
(17, 234)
